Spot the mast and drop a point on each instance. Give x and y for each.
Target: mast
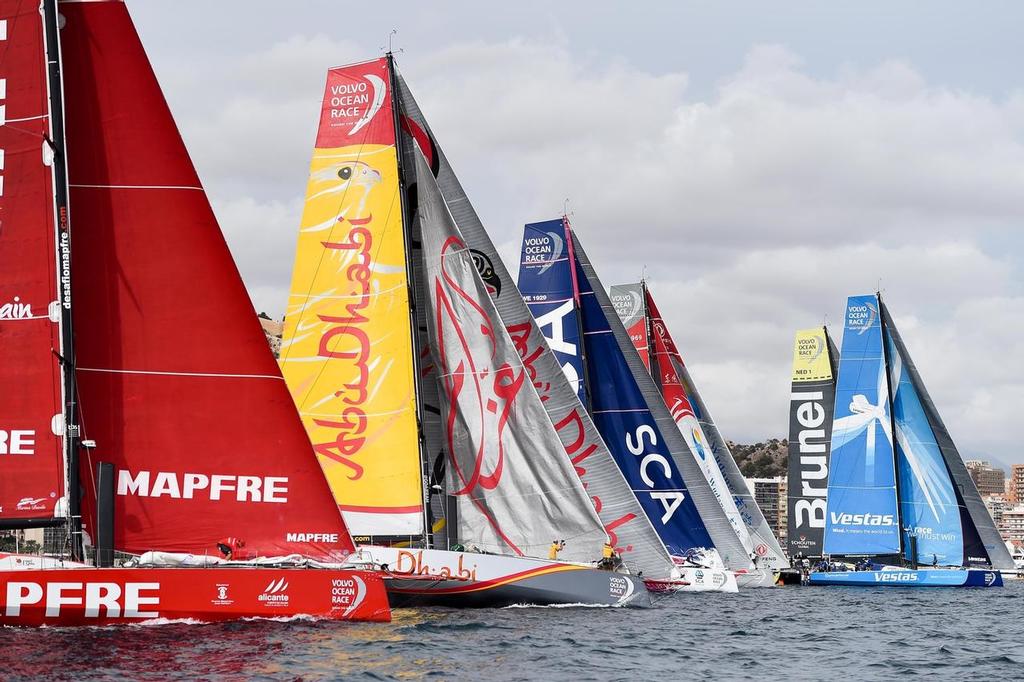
(411, 293)
(892, 422)
(649, 326)
(571, 254)
(66, 352)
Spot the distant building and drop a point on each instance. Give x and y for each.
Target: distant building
(1011, 524)
(1015, 486)
(996, 505)
(273, 331)
(990, 480)
(771, 495)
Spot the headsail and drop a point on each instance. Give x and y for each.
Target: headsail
(812, 405)
(627, 526)
(347, 350)
(939, 501)
(517, 491)
(694, 419)
(863, 517)
(177, 386)
(632, 417)
(31, 412)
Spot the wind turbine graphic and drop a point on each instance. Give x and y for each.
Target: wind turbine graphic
(863, 418)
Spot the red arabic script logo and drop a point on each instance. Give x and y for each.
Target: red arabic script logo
(352, 423)
(480, 397)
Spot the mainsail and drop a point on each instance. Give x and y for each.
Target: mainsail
(702, 434)
(681, 508)
(628, 528)
(516, 491)
(31, 406)
(939, 502)
(863, 516)
(177, 388)
(812, 404)
(347, 349)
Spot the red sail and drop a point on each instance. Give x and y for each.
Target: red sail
(31, 457)
(177, 385)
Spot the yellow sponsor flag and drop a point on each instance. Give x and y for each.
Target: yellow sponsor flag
(810, 356)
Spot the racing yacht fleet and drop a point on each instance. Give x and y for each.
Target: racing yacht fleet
(434, 432)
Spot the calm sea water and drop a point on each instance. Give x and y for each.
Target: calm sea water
(768, 634)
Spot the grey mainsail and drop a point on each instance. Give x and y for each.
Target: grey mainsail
(627, 526)
(516, 492)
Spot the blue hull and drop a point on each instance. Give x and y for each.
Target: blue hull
(906, 577)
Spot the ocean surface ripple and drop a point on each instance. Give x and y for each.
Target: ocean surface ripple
(782, 633)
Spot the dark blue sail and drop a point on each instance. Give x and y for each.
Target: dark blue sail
(621, 414)
(546, 282)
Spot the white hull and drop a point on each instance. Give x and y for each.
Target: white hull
(760, 577)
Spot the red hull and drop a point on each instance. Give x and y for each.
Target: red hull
(111, 596)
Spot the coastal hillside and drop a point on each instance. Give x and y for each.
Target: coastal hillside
(761, 460)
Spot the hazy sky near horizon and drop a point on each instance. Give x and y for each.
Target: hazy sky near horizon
(760, 161)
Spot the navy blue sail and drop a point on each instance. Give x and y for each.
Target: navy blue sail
(621, 414)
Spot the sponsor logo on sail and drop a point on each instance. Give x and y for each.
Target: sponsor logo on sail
(635, 443)
(312, 537)
(627, 304)
(846, 519)
(360, 100)
(17, 442)
(94, 599)
(275, 593)
(31, 504)
(812, 451)
(15, 310)
(860, 318)
(485, 268)
(546, 250)
(214, 487)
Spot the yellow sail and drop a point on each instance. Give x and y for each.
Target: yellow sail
(347, 350)
(810, 356)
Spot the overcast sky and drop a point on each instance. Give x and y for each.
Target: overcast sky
(762, 161)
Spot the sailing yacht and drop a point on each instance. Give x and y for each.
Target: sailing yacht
(899, 496)
(141, 412)
(610, 378)
(646, 327)
(443, 458)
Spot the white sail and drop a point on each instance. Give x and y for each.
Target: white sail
(516, 489)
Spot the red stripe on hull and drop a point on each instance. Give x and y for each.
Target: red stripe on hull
(91, 596)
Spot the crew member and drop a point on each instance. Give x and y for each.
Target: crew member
(229, 547)
(556, 547)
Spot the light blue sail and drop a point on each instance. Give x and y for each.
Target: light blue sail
(928, 501)
(862, 514)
